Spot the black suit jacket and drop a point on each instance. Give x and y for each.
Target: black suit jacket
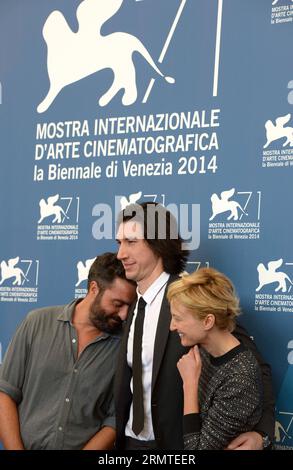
(167, 396)
(167, 390)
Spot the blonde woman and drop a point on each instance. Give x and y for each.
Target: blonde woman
(221, 377)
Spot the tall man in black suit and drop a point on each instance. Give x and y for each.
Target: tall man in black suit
(148, 389)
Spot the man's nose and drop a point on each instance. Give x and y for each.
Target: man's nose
(123, 312)
(121, 252)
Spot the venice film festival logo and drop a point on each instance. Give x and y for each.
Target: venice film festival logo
(284, 417)
(277, 1)
(19, 280)
(279, 142)
(283, 430)
(82, 268)
(58, 218)
(279, 131)
(274, 286)
(282, 12)
(72, 56)
(192, 266)
(235, 215)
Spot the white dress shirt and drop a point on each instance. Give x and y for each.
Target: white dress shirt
(153, 298)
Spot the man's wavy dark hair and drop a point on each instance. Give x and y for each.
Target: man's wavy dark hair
(160, 232)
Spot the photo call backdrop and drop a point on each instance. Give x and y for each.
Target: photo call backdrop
(185, 102)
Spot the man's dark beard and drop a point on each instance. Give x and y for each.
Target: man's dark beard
(103, 321)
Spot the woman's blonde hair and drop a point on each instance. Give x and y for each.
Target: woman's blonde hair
(207, 291)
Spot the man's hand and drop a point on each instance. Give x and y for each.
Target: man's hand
(102, 440)
(247, 441)
(9, 424)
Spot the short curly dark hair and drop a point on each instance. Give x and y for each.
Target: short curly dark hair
(105, 269)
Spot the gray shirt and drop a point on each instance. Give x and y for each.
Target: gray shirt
(62, 400)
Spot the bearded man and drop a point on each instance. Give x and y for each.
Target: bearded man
(56, 380)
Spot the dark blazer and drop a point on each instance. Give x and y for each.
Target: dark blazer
(266, 425)
(167, 390)
(167, 396)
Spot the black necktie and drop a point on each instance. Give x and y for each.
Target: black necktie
(138, 410)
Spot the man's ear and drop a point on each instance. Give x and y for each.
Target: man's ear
(94, 288)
